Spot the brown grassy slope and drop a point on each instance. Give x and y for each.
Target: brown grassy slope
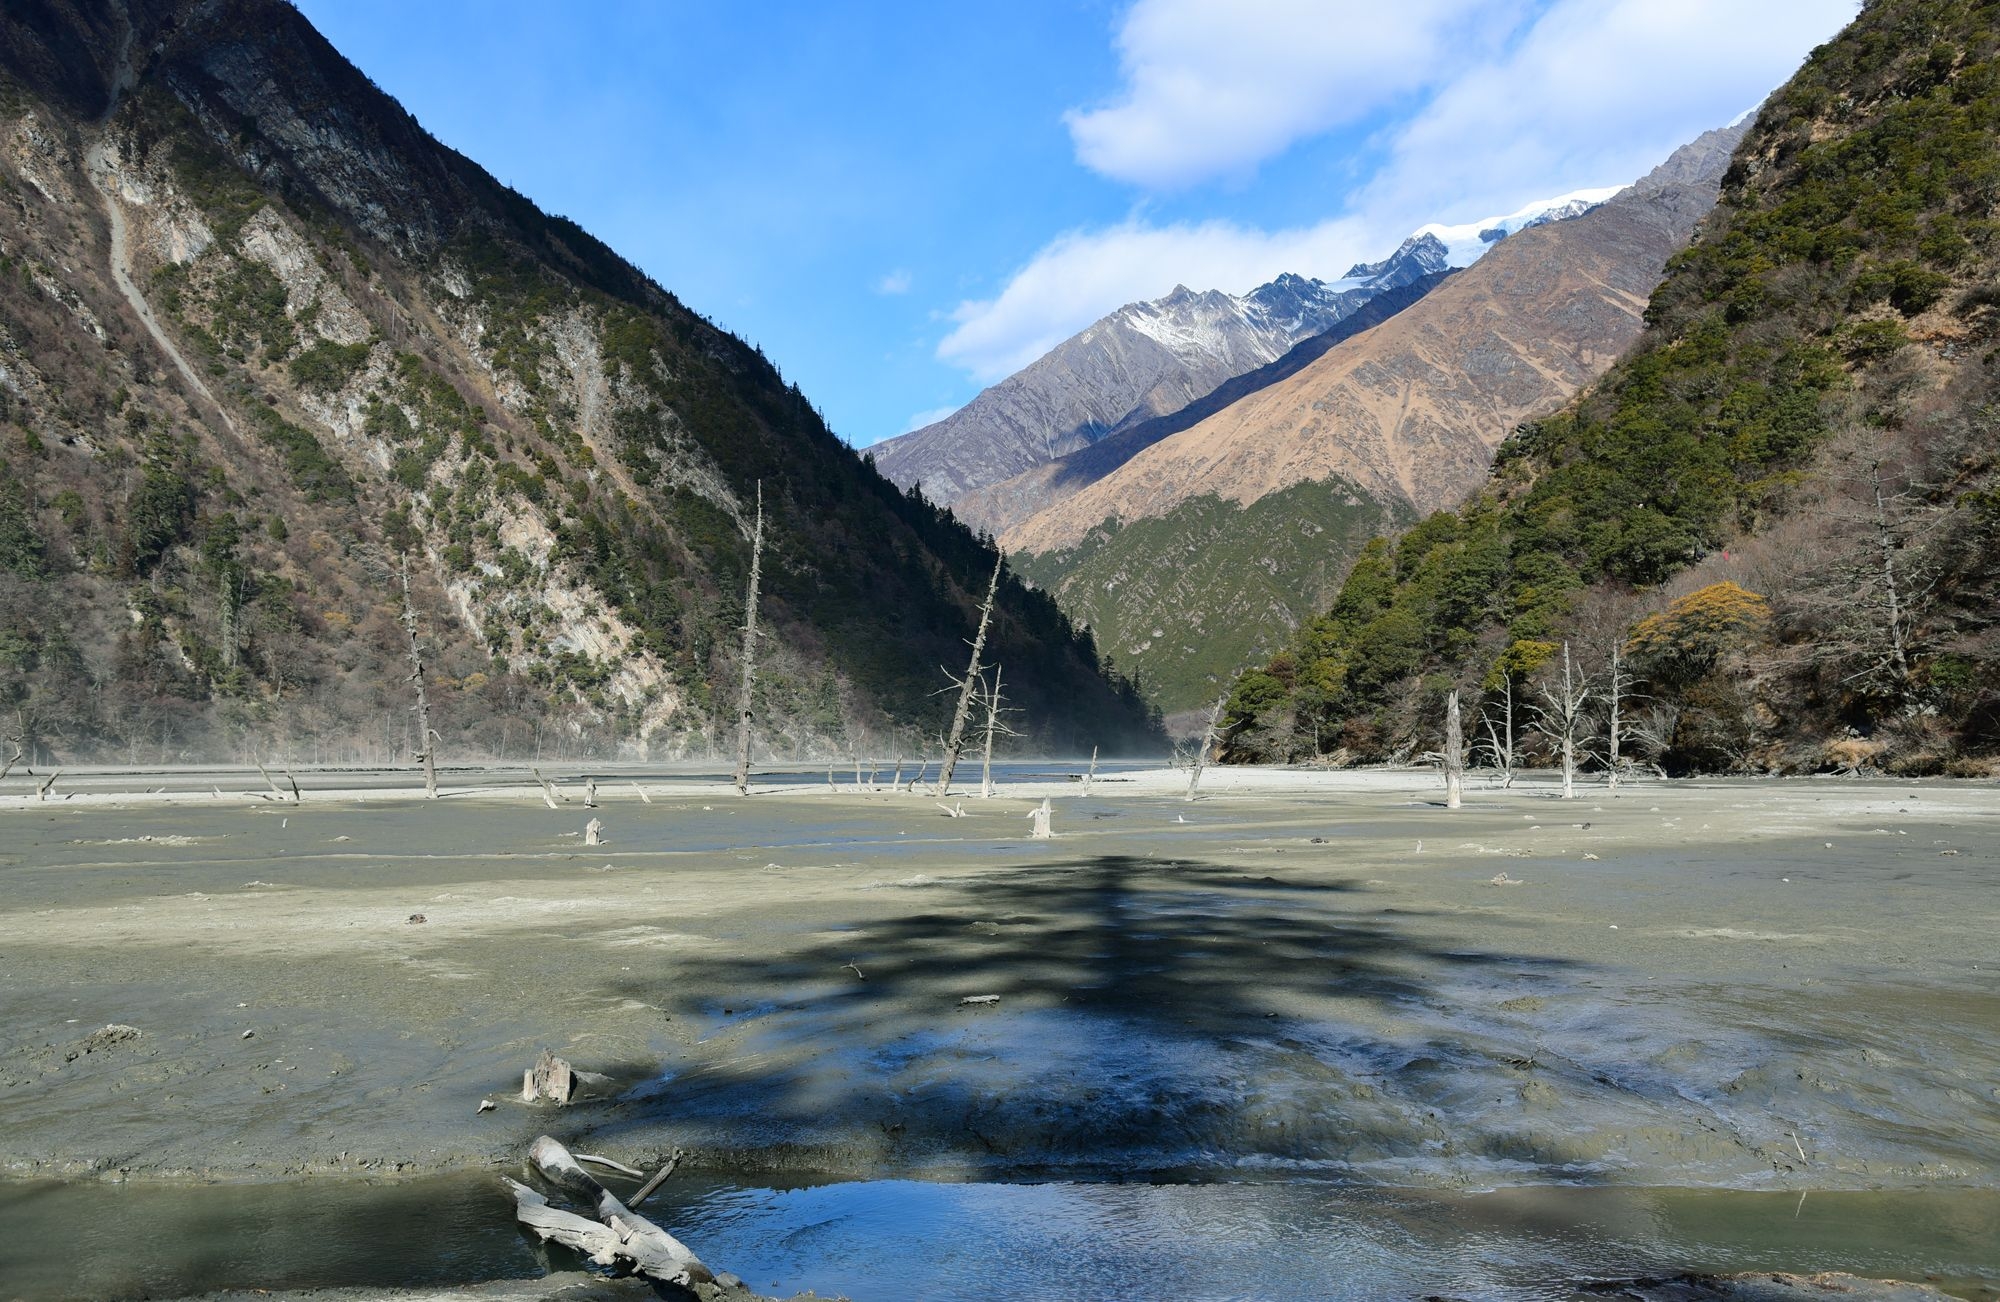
(1412, 410)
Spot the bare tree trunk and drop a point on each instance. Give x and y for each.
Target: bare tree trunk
(1892, 592)
(1617, 693)
(425, 735)
(1454, 753)
(955, 743)
(749, 650)
(992, 724)
(1501, 746)
(1568, 730)
(1090, 774)
(1562, 718)
(1207, 744)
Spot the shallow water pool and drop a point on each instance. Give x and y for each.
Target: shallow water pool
(877, 1241)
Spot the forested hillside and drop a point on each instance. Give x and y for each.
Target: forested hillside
(264, 342)
(1781, 511)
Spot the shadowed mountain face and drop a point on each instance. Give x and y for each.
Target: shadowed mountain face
(262, 338)
(1144, 361)
(1398, 419)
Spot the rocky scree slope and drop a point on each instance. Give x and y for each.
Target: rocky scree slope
(262, 338)
(1389, 423)
(1781, 510)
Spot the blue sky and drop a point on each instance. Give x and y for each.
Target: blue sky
(902, 202)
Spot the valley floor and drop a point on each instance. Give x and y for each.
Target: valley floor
(1776, 986)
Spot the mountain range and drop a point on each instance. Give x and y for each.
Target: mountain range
(1767, 538)
(1151, 359)
(271, 358)
(1190, 552)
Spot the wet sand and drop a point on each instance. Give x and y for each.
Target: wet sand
(1755, 985)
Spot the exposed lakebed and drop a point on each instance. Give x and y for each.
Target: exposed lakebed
(1281, 1012)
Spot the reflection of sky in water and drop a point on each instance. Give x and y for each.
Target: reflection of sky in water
(904, 1241)
(949, 1242)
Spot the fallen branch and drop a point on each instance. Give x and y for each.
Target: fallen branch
(43, 792)
(548, 788)
(659, 1178)
(652, 1251)
(605, 1246)
(642, 793)
(609, 1165)
(277, 792)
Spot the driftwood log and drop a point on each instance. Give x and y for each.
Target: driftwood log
(619, 1239)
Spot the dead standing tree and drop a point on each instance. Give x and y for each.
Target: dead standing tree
(994, 728)
(1617, 688)
(749, 650)
(955, 743)
(1499, 743)
(426, 737)
(1560, 719)
(1454, 753)
(1207, 744)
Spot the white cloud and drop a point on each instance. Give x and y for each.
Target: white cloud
(923, 418)
(1590, 93)
(1080, 276)
(1616, 86)
(896, 282)
(1214, 87)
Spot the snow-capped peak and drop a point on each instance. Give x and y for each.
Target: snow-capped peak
(1464, 243)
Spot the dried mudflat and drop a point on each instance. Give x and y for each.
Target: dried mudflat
(1754, 986)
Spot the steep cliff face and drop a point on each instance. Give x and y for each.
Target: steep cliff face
(262, 338)
(1396, 420)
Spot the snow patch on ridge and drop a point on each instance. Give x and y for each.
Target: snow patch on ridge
(1464, 243)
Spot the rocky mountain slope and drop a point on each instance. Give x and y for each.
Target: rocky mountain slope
(1780, 513)
(1396, 420)
(1144, 360)
(997, 508)
(263, 341)
(1149, 360)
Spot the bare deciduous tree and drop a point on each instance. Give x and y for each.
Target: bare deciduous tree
(749, 650)
(1617, 681)
(1499, 743)
(955, 742)
(1207, 744)
(1561, 717)
(1454, 753)
(426, 735)
(994, 728)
